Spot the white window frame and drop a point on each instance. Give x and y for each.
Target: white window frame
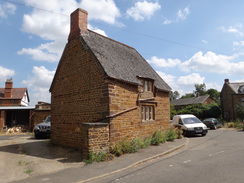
(148, 112)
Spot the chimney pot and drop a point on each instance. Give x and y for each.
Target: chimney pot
(78, 23)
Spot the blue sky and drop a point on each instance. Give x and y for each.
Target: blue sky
(187, 42)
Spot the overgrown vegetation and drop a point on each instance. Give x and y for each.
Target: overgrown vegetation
(234, 124)
(201, 111)
(134, 145)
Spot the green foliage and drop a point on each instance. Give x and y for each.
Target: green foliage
(171, 134)
(173, 111)
(174, 95)
(240, 111)
(214, 95)
(98, 157)
(201, 111)
(28, 170)
(200, 88)
(188, 95)
(234, 124)
(158, 137)
(134, 145)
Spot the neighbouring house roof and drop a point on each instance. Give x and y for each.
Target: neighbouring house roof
(237, 87)
(121, 61)
(17, 93)
(191, 100)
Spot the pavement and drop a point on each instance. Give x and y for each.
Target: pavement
(90, 172)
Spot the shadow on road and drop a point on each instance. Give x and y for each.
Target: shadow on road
(41, 148)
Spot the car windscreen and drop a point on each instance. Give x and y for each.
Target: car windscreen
(48, 119)
(191, 120)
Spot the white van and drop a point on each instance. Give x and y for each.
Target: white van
(190, 124)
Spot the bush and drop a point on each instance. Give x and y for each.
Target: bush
(172, 134)
(98, 157)
(134, 145)
(158, 137)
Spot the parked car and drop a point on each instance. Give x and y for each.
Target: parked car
(190, 124)
(212, 123)
(43, 129)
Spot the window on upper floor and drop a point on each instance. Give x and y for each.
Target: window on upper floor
(147, 86)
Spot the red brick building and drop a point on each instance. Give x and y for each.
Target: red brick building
(232, 94)
(104, 92)
(14, 104)
(10, 96)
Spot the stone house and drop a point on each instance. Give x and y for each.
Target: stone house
(202, 100)
(104, 92)
(232, 94)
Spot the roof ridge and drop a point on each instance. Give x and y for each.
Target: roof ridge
(111, 39)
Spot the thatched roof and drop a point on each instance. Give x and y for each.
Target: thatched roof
(121, 61)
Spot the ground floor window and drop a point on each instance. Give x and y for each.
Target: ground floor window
(147, 112)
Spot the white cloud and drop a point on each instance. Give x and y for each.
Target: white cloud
(167, 22)
(169, 79)
(204, 41)
(97, 30)
(191, 79)
(240, 43)
(183, 84)
(236, 29)
(54, 27)
(160, 62)
(45, 52)
(182, 14)
(211, 62)
(143, 10)
(39, 84)
(7, 9)
(104, 10)
(5, 73)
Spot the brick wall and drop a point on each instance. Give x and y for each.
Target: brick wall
(95, 137)
(129, 125)
(227, 103)
(79, 95)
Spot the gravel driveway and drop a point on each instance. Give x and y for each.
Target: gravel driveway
(22, 156)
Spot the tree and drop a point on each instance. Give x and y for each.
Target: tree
(200, 89)
(240, 111)
(174, 95)
(214, 94)
(188, 95)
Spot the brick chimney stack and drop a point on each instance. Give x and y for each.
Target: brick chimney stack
(78, 23)
(227, 81)
(8, 88)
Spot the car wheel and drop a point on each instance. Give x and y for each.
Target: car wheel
(204, 133)
(184, 133)
(37, 136)
(215, 127)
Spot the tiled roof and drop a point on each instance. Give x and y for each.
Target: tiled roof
(191, 100)
(236, 86)
(18, 93)
(120, 61)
